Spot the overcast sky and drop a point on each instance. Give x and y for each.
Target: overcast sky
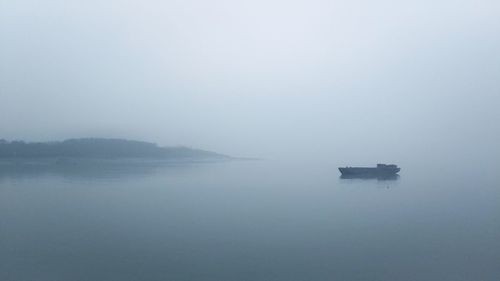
(362, 79)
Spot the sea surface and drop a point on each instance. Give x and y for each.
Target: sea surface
(262, 220)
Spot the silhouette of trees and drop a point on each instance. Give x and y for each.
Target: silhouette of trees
(98, 148)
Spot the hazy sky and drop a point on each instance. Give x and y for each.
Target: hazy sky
(362, 79)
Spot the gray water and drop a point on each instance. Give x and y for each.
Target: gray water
(247, 220)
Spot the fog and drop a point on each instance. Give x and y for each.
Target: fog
(358, 81)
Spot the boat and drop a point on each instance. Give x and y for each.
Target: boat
(380, 170)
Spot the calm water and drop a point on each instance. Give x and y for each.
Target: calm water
(248, 220)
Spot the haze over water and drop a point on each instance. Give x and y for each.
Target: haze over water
(307, 85)
(247, 220)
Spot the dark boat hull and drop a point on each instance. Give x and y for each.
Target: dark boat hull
(369, 176)
(360, 171)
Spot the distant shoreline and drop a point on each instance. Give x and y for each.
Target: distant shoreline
(103, 150)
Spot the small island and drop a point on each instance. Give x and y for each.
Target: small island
(101, 148)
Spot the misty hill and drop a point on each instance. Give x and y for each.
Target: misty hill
(100, 148)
